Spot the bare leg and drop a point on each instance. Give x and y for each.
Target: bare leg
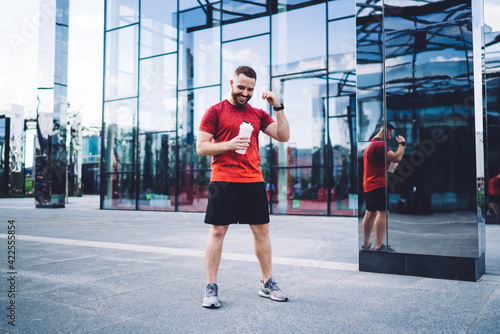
(213, 251)
(367, 226)
(262, 245)
(380, 227)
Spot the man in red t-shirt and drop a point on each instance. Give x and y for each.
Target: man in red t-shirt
(375, 161)
(237, 193)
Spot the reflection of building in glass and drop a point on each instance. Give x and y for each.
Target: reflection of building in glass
(50, 161)
(170, 60)
(419, 67)
(12, 136)
(91, 162)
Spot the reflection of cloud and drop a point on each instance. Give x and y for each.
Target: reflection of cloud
(443, 59)
(491, 14)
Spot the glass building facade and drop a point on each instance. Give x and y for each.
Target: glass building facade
(166, 62)
(50, 160)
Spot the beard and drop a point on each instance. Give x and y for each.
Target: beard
(236, 100)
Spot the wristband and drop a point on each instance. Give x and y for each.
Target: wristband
(403, 143)
(281, 107)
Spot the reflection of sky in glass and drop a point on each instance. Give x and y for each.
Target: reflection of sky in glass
(303, 98)
(253, 52)
(491, 14)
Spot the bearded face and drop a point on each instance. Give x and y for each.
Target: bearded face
(242, 90)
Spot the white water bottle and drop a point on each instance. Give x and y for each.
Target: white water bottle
(246, 130)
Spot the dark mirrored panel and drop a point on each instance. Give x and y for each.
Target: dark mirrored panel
(402, 15)
(369, 67)
(492, 177)
(157, 94)
(157, 171)
(430, 102)
(298, 38)
(158, 27)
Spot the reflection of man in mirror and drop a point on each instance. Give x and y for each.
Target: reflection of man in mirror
(494, 190)
(376, 159)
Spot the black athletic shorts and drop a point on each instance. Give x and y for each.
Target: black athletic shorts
(375, 199)
(230, 203)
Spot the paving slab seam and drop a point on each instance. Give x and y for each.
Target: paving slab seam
(311, 263)
(386, 301)
(478, 315)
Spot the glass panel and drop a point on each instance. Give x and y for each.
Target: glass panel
(4, 184)
(236, 10)
(16, 151)
(121, 63)
(193, 190)
(120, 13)
(300, 191)
(299, 40)
(343, 83)
(158, 27)
(157, 171)
(119, 191)
(192, 106)
(119, 129)
(340, 8)
(369, 70)
(304, 98)
(491, 10)
(342, 136)
(492, 180)
(342, 45)
(436, 181)
(157, 94)
(188, 4)
(253, 52)
(245, 28)
(62, 12)
(404, 15)
(61, 64)
(199, 48)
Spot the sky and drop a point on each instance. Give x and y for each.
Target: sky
(19, 21)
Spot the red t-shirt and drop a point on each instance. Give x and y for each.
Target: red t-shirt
(223, 121)
(494, 186)
(375, 165)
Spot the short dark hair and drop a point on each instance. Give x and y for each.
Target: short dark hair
(246, 70)
(381, 125)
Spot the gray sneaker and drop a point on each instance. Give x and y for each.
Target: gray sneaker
(271, 290)
(211, 299)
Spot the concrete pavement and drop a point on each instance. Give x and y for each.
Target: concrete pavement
(85, 270)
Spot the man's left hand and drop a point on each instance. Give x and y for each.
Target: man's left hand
(271, 98)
